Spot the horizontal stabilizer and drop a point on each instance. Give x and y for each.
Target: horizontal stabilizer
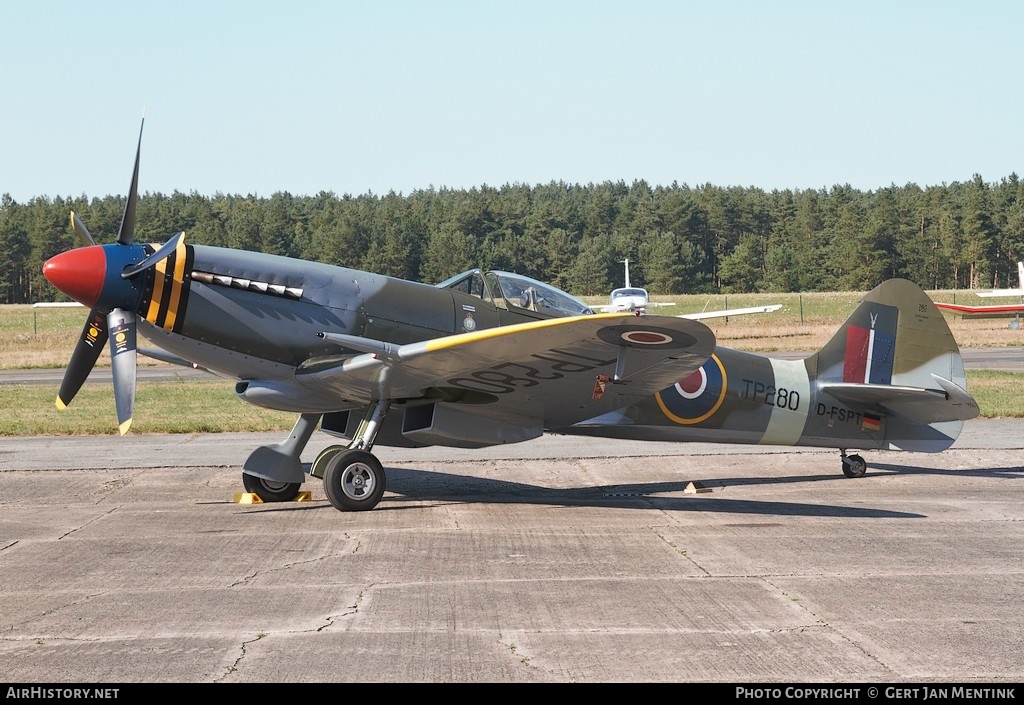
(946, 402)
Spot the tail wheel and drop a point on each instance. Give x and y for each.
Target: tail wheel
(270, 491)
(854, 466)
(354, 481)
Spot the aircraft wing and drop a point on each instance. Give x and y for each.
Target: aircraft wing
(995, 311)
(730, 312)
(613, 308)
(1001, 293)
(558, 371)
(724, 313)
(945, 402)
(1019, 291)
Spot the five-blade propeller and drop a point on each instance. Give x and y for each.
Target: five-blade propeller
(119, 325)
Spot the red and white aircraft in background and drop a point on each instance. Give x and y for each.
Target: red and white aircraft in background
(995, 310)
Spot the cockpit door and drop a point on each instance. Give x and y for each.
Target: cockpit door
(474, 305)
(473, 313)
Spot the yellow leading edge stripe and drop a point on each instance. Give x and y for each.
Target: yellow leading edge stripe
(463, 338)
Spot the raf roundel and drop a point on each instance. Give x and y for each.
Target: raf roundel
(695, 398)
(640, 336)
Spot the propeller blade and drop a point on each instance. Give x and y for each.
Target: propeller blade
(84, 236)
(121, 326)
(126, 233)
(166, 249)
(88, 349)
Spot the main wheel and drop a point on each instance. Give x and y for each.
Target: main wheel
(354, 481)
(854, 466)
(270, 491)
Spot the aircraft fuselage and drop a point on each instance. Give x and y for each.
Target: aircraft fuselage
(223, 308)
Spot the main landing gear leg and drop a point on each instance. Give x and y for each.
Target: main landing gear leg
(274, 473)
(354, 479)
(853, 465)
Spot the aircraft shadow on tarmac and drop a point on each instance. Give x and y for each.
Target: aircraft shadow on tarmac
(1014, 472)
(413, 485)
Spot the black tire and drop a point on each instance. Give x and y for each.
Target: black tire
(354, 481)
(270, 491)
(854, 466)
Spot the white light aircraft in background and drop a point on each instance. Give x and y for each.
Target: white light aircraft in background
(634, 298)
(630, 298)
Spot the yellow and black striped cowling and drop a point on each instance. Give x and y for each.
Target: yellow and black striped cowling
(165, 295)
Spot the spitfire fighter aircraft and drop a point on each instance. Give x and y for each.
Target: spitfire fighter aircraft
(488, 358)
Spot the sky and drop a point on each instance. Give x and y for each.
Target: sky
(378, 96)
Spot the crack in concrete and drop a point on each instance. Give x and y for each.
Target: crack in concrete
(288, 566)
(234, 666)
(329, 621)
(822, 624)
(246, 580)
(54, 610)
(104, 515)
(682, 552)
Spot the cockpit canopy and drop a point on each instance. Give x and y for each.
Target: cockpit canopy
(505, 289)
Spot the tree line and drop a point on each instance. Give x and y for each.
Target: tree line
(678, 239)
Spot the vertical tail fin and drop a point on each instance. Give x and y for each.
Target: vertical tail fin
(896, 357)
